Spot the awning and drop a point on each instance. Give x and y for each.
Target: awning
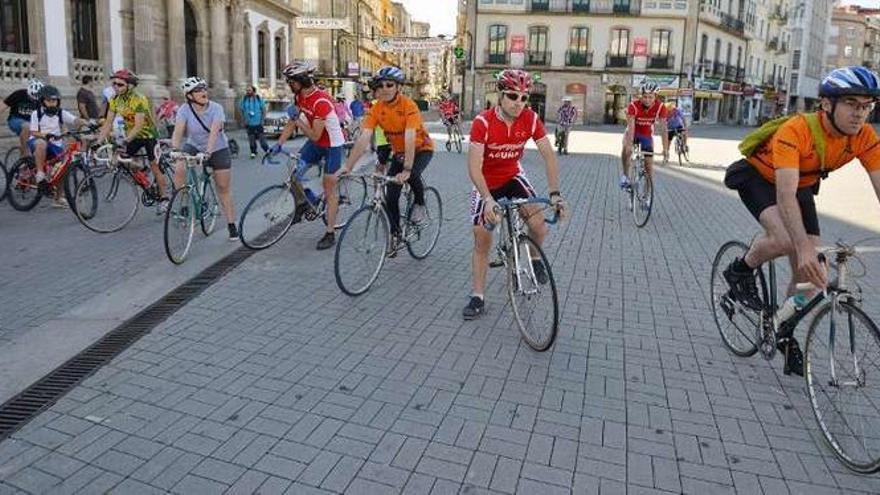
(707, 94)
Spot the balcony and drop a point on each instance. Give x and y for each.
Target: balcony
(578, 59)
(611, 7)
(732, 24)
(773, 44)
(538, 58)
(730, 72)
(17, 67)
(580, 6)
(492, 58)
(612, 60)
(540, 6)
(624, 7)
(783, 47)
(661, 62)
(718, 69)
(740, 74)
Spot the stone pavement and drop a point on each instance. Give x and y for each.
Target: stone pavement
(272, 381)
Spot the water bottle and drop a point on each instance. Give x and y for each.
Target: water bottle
(141, 178)
(790, 306)
(310, 195)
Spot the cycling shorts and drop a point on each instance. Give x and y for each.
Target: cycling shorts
(758, 194)
(332, 156)
(647, 142)
(52, 150)
(219, 160)
(16, 124)
(672, 132)
(518, 187)
(148, 145)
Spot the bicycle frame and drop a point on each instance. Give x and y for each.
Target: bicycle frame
(512, 229)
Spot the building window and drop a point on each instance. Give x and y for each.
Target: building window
(704, 45)
(660, 42)
(850, 32)
(311, 50)
(85, 35)
(847, 51)
(578, 44)
(14, 26)
(262, 55)
(310, 6)
(279, 56)
(619, 42)
(538, 45)
(497, 44)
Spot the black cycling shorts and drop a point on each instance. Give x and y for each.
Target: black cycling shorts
(148, 145)
(758, 194)
(518, 187)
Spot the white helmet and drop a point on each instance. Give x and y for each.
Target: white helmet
(648, 88)
(192, 83)
(298, 69)
(34, 87)
(566, 99)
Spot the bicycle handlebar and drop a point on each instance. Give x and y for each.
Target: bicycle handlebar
(180, 155)
(268, 157)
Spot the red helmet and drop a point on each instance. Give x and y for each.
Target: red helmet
(125, 75)
(514, 80)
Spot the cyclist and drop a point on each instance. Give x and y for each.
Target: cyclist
(498, 138)
(449, 113)
(778, 184)
(166, 113)
(412, 149)
(46, 126)
(641, 114)
(676, 123)
(566, 117)
(139, 129)
(21, 104)
(202, 121)
(318, 121)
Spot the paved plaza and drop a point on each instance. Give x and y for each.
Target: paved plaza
(273, 381)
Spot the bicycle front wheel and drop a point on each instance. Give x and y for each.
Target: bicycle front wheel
(842, 369)
(458, 139)
(210, 207)
(106, 201)
(531, 289)
(422, 237)
(180, 224)
(642, 196)
(360, 250)
(352, 196)
(4, 181)
(737, 324)
(267, 217)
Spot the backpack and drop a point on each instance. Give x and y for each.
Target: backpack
(757, 138)
(59, 116)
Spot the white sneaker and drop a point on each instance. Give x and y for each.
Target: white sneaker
(419, 214)
(60, 203)
(162, 207)
(40, 177)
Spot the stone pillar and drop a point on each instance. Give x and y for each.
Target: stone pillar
(176, 44)
(238, 65)
(144, 45)
(219, 45)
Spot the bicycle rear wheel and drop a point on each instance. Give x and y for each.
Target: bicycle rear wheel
(421, 238)
(642, 195)
(210, 207)
(360, 250)
(23, 191)
(737, 324)
(352, 196)
(848, 408)
(533, 298)
(4, 181)
(180, 224)
(106, 200)
(267, 217)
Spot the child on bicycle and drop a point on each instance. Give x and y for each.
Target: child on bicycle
(676, 123)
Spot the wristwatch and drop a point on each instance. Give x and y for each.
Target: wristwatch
(555, 193)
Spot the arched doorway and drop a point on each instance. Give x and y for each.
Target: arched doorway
(192, 32)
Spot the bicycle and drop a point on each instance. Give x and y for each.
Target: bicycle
(831, 359)
(109, 197)
(196, 199)
(561, 139)
(271, 213)
(65, 170)
(365, 242)
(4, 181)
(640, 188)
(454, 135)
(681, 149)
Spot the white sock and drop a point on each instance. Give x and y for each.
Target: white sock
(478, 295)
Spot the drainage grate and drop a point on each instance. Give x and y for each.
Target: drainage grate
(22, 408)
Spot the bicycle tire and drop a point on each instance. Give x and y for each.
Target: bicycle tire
(277, 205)
(210, 208)
(642, 196)
(679, 150)
(434, 217)
(718, 289)
(352, 197)
(76, 172)
(4, 181)
(519, 296)
(13, 155)
(180, 216)
(367, 234)
(24, 194)
(840, 446)
(92, 198)
(458, 139)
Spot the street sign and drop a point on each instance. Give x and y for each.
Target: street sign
(322, 23)
(459, 52)
(398, 45)
(640, 47)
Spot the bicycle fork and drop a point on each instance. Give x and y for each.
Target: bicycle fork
(832, 336)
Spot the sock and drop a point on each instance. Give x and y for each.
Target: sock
(478, 295)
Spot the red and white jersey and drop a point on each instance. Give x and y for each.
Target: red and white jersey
(503, 145)
(447, 108)
(318, 105)
(645, 117)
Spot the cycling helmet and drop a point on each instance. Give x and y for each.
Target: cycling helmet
(514, 80)
(566, 99)
(850, 81)
(193, 83)
(648, 88)
(125, 75)
(49, 92)
(299, 70)
(389, 73)
(34, 87)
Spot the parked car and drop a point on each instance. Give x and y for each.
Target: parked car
(276, 117)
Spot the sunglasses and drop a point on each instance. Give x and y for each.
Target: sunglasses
(516, 96)
(386, 85)
(119, 85)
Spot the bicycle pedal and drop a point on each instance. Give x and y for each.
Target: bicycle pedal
(496, 264)
(727, 306)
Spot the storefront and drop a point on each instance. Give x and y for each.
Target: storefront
(730, 103)
(616, 100)
(753, 104)
(707, 100)
(578, 94)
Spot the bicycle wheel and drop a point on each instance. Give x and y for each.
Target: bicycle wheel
(13, 154)
(106, 200)
(848, 408)
(352, 196)
(210, 209)
(4, 181)
(267, 217)
(76, 172)
(679, 150)
(360, 250)
(642, 195)
(23, 192)
(421, 238)
(534, 302)
(180, 224)
(458, 139)
(737, 324)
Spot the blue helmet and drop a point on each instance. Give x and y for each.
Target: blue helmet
(389, 73)
(850, 81)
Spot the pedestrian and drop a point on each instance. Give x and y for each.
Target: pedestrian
(357, 110)
(166, 114)
(86, 101)
(253, 110)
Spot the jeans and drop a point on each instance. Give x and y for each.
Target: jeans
(254, 133)
(392, 190)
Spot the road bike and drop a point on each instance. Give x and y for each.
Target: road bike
(271, 213)
(640, 188)
(681, 149)
(366, 240)
(195, 200)
(842, 346)
(454, 135)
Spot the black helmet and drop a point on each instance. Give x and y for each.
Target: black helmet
(50, 92)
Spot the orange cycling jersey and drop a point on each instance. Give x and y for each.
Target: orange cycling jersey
(792, 147)
(395, 118)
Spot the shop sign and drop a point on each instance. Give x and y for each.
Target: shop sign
(661, 81)
(518, 43)
(707, 84)
(399, 45)
(576, 89)
(322, 23)
(640, 47)
(354, 69)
